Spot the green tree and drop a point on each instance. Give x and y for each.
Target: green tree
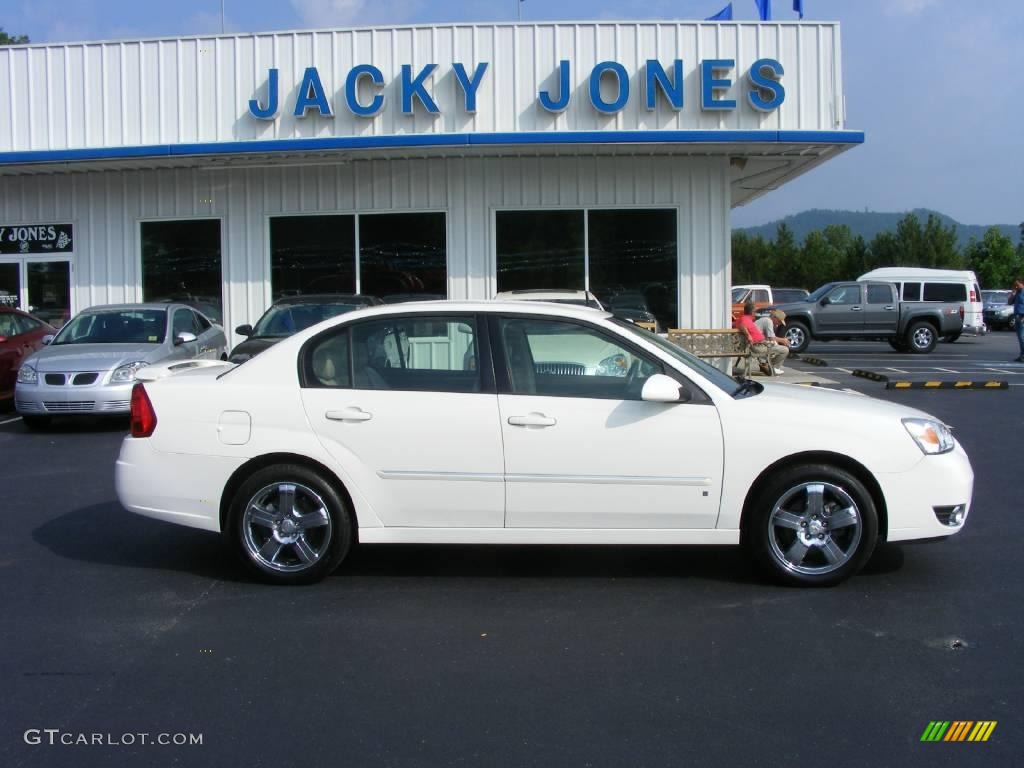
(940, 245)
(751, 259)
(885, 251)
(994, 259)
(6, 39)
(785, 261)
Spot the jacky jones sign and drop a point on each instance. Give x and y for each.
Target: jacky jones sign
(761, 87)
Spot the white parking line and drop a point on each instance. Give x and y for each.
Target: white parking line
(844, 370)
(947, 370)
(895, 370)
(10, 421)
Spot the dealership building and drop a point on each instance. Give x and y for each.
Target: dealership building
(449, 160)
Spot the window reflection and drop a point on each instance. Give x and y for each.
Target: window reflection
(633, 262)
(402, 254)
(181, 261)
(539, 249)
(312, 254)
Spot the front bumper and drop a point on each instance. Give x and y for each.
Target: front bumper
(912, 497)
(53, 400)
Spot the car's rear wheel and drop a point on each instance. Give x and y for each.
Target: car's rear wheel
(798, 336)
(289, 525)
(36, 422)
(921, 337)
(813, 525)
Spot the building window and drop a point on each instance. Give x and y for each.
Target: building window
(633, 264)
(312, 254)
(403, 255)
(540, 249)
(629, 261)
(181, 260)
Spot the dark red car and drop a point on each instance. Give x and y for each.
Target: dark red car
(20, 336)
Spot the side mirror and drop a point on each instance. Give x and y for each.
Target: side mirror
(3, 339)
(244, 330)
(826, 301)
(48, 338)
(660, 388)
(184, 338)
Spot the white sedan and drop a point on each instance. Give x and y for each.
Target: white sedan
(523, 423)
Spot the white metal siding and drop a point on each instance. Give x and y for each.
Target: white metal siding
(197, 89)
(106, 208)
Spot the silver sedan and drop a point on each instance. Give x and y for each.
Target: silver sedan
(89, 366)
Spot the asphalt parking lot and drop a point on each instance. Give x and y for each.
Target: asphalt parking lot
(116, 624)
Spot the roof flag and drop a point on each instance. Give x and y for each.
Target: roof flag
(798, 6)
(764, 8)
(723, 15)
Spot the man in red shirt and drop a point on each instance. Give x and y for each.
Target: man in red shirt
(746, 324)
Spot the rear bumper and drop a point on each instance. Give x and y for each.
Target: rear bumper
(150, 483)
(911, 497)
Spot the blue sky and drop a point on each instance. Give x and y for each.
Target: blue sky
(934, 83)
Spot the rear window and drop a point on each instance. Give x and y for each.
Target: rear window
(945, 292)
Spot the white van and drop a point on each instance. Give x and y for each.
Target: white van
(917, 284)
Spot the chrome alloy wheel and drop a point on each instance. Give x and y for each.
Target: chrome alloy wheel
(923, 337)
(286, 527)
(795, 336)
(815, 528)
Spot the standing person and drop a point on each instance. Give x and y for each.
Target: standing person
(1017, 299)
(778, 345)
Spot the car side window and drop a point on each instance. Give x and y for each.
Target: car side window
(911, 291)
(9, 325)
(554, 358)
(945, 292)
(760, 296)
(327, 362)
(418, 354)
(183, 322)
(845, 294)
(879, 294)
(202, 324)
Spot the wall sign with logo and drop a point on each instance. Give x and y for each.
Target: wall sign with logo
(608, 86)
(36, 238)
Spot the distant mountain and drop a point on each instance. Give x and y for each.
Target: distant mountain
(868, 224)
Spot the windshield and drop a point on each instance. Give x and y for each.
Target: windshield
(285, 319)
(995, 297)
(128, 326)
(721, 380)
(738, 294)
(821, 291)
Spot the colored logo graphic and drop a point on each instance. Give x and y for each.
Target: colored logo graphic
(958, 730)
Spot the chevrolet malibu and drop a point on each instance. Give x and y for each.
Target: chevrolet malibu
(89, 367)
(526, 423)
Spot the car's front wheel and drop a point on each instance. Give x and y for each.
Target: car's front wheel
(289, 525)
(798, 336)
(813, 525)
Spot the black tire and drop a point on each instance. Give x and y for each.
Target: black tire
(291, 562)
(36, 423)
(798, 335)
(921, 337)
(771, 538)
(899, 345)
(951, 338)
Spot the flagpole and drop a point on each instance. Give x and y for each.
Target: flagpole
(222, 17)
(519, 10)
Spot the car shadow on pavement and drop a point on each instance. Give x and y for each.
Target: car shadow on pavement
(109, 535)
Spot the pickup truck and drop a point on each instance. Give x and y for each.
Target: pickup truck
(870, 310)
(763, 296)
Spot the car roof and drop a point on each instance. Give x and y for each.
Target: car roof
(492, 306)
(326, 298)
(161, 305)
(543, 293)
(883, 273)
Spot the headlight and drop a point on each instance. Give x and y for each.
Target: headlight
(931, 436)
(126, 373)
(27, 375)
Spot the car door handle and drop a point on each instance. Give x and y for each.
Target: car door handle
(349, 414)
(889, 307)
(855, 309)
(532, 420)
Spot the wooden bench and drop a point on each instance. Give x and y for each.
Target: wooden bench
(722, 342)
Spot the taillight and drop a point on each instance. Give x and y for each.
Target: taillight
(974, 296)
(143, 415)
(961, 317)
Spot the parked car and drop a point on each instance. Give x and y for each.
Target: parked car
(763, 297)
(90, 365)
(500, 423)
(292, 314)
(938, 285)
(870, 310)
(997, 313)
(21, 334)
